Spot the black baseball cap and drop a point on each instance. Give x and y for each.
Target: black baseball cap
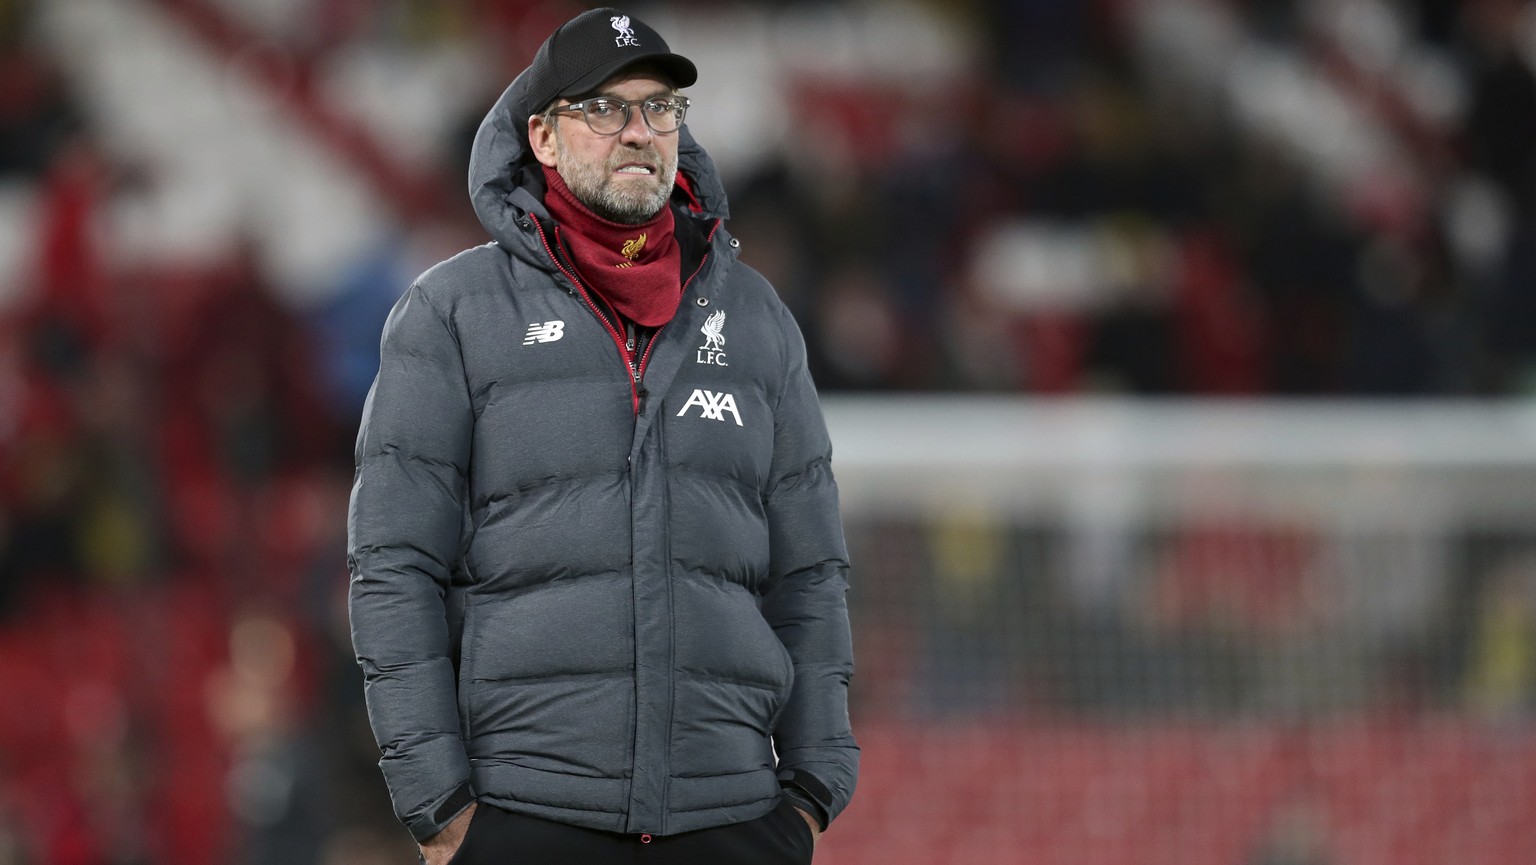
(590, 48)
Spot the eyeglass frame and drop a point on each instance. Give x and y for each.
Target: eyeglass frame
(681, 104)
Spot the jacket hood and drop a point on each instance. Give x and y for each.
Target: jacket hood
(504, 185)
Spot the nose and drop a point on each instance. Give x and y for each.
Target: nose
(636, 130)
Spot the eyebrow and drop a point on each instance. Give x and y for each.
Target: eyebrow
(671, 91)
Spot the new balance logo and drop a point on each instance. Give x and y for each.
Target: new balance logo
(548, 331)
(713, 406)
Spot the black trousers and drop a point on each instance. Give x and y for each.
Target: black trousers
(497, 837)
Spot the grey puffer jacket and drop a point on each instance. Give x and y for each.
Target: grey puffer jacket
(611, 603)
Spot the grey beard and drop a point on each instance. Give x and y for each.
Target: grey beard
(626, 207)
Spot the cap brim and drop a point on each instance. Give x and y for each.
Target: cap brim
(678, 69)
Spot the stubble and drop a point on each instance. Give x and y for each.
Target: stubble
(618, 201)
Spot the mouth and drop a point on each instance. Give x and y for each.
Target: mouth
(635, 168)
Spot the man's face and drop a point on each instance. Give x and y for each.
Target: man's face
(625, 178)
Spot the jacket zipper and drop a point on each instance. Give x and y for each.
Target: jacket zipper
(635, 372)
(650, 342)
(627, 343)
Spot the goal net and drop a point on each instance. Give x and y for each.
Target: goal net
(1123, 633)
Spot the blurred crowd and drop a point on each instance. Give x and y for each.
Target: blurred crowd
(1201, 256)
(175, 436)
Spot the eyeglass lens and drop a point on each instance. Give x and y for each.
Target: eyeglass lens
(607, 116)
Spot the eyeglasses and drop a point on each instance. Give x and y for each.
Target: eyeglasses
(608, 116)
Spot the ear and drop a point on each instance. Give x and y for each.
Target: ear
(541, 139)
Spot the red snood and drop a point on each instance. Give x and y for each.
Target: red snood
(636, 268)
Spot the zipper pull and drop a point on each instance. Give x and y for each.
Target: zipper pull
(629, 334)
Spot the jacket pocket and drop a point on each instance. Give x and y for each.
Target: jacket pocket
(466, 672)
(798, 829)
(788, 686)
(465, 855)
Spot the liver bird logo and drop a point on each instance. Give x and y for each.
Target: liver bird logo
(631, 248)
(713, 339)
(626, 33)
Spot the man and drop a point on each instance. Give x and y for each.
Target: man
(598, 573)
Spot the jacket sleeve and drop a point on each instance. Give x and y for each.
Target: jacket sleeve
(403, 532)
(807, 603)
